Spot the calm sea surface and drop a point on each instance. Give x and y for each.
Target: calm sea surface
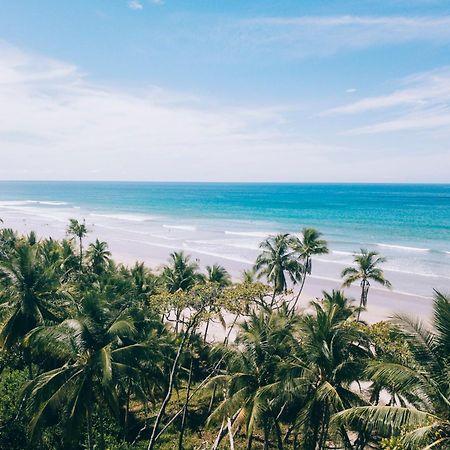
(409, 224)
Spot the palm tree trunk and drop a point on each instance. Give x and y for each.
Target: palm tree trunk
(81, 254)
(102, 429)
(278, 435)
(28, 362)
(185, 408)
(230, 433)
(206, 330)
(299, 292)
(363, 299)
(250, 442)
(219, 436)
(127, 410)
(273, 297)
(89, 429)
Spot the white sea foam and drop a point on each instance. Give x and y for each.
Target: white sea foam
(180, 227)
(13, 203)
(126, 217)
(258, 234)
(403, 247)
(339, 252)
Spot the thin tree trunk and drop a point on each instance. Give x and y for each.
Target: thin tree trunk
(185, 408)
(278, 435)
(127, 409)
(81, 254)
(102, 429)
(230, 433)
(89, 429)
(299, 292)
(363, 300)
(266, 438)
(172, 376)
(273, 297)
(219, 436)
(206, 330)
(250, 442)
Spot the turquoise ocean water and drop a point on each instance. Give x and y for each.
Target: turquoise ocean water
(409, 224)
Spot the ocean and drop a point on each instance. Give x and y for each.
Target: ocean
(408, 224)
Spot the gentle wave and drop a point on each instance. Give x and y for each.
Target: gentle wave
(14, 203)
(339, 252)
(180, 227)
(127, 217)
(258, 234)
(403, 247)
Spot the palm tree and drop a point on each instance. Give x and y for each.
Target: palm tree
(366, 269)
(31, 291)
(263, 342)
(99, 256)
(306, 246)
(78, 230)
(218, 274)
(329, 357)
(92, 357)
(420, 385)
(276, 261)
(180, 275)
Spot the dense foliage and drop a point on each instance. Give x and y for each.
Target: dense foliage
(98, 355)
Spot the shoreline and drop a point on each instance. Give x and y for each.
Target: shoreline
(382, 303)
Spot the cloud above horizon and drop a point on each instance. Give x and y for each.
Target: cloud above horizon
(52, 118)
(422, 102)
(56, 123)
(305, 36)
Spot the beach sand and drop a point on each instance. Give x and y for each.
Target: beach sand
(126, 248)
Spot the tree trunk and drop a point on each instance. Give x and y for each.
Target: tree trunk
(102, 429)
(273, 297)
(127, 410)
(81, 254)
(187, 334)
(206, 330)
(363, 300)
(89, 429)
(185, 408)
(278, 435)
(230, 434)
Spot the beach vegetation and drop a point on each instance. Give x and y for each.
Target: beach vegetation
(95, 354)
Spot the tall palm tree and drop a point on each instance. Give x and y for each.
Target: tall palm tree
(277, 262)
(78, 230)
(99, 256)
(263, 342)
(366, 269)
(180, 275)
(218, 274)
(30, 296)
(420, 384)
(306, 246)
(94, 350)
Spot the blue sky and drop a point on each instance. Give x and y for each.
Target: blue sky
(229, 90)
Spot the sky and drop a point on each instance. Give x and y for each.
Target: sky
(225, 90)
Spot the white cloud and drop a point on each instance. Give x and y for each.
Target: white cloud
(421, 91)
(422, 102)
(54, 123)
(135, 4)
(325, 35)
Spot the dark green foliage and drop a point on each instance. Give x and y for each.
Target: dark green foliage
(98, 355)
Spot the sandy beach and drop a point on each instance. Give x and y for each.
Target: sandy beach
(128, 246)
